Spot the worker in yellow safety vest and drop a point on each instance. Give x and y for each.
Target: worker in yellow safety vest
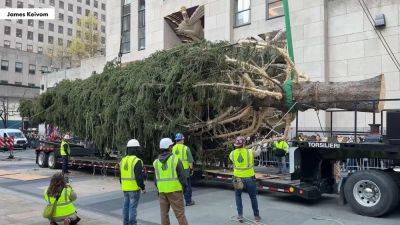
(132, 181)
(244, 174)
(170, 181)
(281, 149)
(65, 152)
(183, 152)
(63, 196)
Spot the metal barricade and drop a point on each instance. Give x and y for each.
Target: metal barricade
(352, 165)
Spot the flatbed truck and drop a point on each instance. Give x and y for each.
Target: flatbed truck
(369, 191)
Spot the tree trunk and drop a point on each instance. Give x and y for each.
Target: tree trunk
(341, 95)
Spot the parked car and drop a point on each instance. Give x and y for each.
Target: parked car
(20, 140)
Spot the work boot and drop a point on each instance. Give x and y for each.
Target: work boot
(190, 203)
(257, 219)
(75, 221)
(240, 219)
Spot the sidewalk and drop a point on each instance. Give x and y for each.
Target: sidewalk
(22, 209)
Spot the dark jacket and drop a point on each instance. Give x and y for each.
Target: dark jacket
(179, 169)
(139, 175)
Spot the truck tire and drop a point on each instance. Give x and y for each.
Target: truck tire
(42, 159)
(371, 192)
(52, 161)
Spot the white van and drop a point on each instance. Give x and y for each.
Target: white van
(20, 140)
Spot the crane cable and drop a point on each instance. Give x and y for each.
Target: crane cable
(379, 33)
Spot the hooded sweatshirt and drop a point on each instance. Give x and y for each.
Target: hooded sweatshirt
(163, 157)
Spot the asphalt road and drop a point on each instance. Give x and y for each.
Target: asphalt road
(100, 194)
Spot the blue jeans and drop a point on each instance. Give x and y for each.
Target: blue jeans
(188, 190)
(283, 166)
(249, 184)
(65, 164)
(131, 201)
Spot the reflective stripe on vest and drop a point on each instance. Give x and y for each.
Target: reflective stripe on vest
(243, 164)
(166, 176)
(127, 171)
(64, 206)
(180, 151)
(62, 149)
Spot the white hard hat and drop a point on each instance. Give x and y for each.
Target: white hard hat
(66, 137)
(165, 143)
(133, 143)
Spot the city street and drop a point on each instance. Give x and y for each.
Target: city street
(100, 200)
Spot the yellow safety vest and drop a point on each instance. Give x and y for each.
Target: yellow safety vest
(282, 145)
(62, 150)
(180, 151)
(64, 207)
(166, 175)
(243, 162)
(127, 170)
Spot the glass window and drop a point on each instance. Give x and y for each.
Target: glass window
(87, 12)
(103, 40)
(103, 28)
(61, 16)
(42, 1)
(60, 41)
(69, 31)
(96, 4)
(4, 65)
(20, 5)
(29, 36)
(18, 45)
(18, 33)
(274, 8)
(141, 25)
(79, 0)
(40, 50)
(32, 69)
(30, 6)
(20, 21)
(95, 14)
(126, 29)
(103, 17)
(87, 2)
(50, 39)
(8, 3)
(51, 26)
(103, 6)
(242, 12)
(6, 44)
(69, 43)
(30, 23)
(29, 48)
(70, 7)
(18, 67)
(79, 10)
(40, 37)
(78, 33)
(41, 24)
(44, 69)
(70, 19)
(31, 85)
(60, 29)
(61, 4)
(7, 30)
(51, 2)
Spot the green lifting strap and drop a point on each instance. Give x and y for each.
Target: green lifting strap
(288, 88)
(288, 85)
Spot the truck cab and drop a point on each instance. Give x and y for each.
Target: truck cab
(19, 138)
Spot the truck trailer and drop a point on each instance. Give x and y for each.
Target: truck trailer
(370, 190)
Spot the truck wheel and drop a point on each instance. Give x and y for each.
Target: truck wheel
(371, 192)
(52, 161)
(42, 159)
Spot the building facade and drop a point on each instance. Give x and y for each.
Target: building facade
(27, 46)
(333, 39)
